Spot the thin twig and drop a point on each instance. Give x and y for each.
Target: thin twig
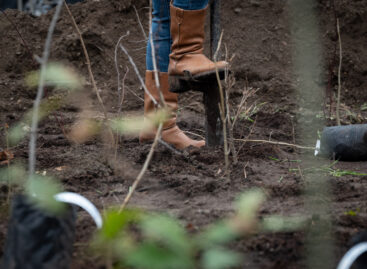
(247, 93)
(231, 129)
(140, 24)
(171, 148)
(248, 136)
(222, 110)
(160, 128)
(194, 134)
(275, 143)
(119, 102)
(244, 169)
(123, 90)
(143, 170)
(60, 125)
(21, 37)
(139, 76)
(134, 93)
(339, 74)
(90, 71)
(40, 90)
(229, 83)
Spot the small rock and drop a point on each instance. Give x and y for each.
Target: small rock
(237, 10)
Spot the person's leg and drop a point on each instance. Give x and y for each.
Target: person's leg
(171, 134)
(161, 36)
(187, 61)
(190, 4)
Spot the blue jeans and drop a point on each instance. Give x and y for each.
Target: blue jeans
(161, 30)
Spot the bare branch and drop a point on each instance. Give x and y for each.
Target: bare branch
(143, 170)
(118, 73)
(222, 110)
(40, 90)
(139, 76)
(275, 143)
(90, 71)
(140, 24)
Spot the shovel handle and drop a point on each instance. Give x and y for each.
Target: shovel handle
(215, 27)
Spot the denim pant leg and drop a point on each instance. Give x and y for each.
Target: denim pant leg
(161, 36)
(190, 4)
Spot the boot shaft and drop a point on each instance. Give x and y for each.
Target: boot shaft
(187, 31)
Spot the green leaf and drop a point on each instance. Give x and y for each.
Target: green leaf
(17, 133)
(14, 174)
(282, 224)
(216, 234)
(167, 231)
(42, 190)
(150, 255)
(116, 221)
(218, 258)
(56, 75)
(134, 125)
(249, 203)
(352, 213)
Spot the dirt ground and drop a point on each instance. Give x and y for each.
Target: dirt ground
(191, 188)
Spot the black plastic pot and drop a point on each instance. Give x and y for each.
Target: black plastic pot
(361, 261)
(37, 240)
(345, 143)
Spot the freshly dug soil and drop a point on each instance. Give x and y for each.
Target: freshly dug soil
(192, 188)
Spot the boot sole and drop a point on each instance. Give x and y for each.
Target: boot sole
(188, 82)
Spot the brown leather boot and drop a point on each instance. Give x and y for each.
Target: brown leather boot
(187, 60)
(171, 133)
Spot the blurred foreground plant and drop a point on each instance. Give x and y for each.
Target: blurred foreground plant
(56, 75)
(143, 240)
(41, 188)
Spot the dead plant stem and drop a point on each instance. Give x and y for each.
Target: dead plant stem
(222, 110)
(140, 24)
(275, 143)
(248, 136)
(229, 119)
(89, 66)
(162, 102)
(21, 37)
(120, 91)
(143, 170)
(40, 90)
(231, 129)
(139, 76)
(61, 125)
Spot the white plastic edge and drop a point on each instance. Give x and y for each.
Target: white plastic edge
(351, 255)
(317, 147)
(77, 199)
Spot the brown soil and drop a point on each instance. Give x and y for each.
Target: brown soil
(191, 188)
